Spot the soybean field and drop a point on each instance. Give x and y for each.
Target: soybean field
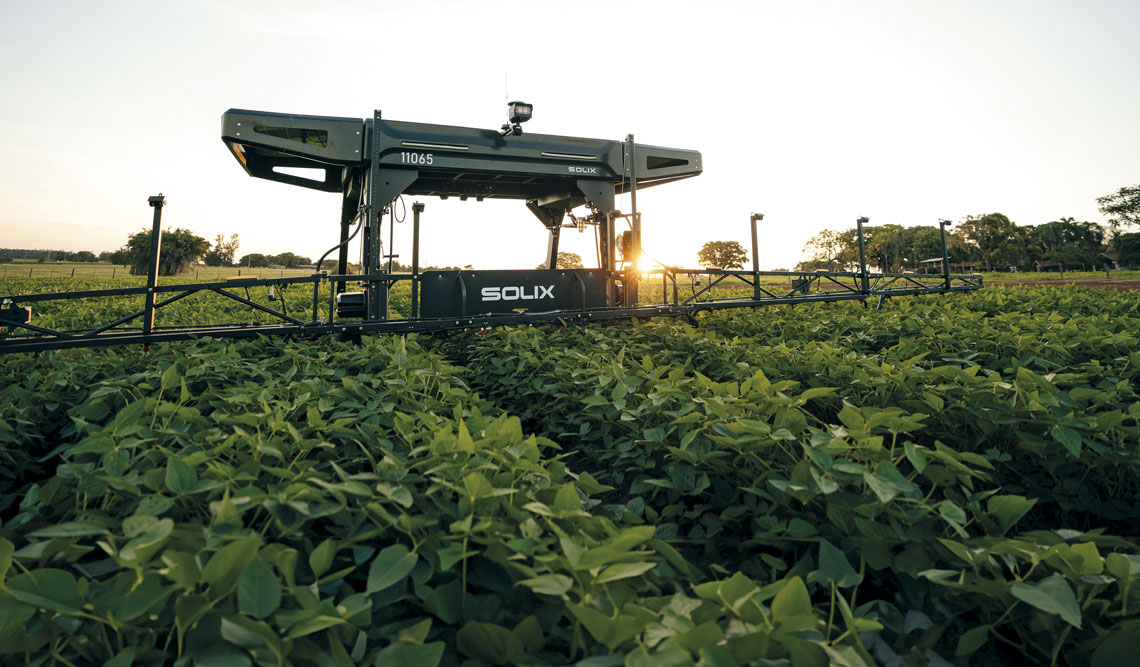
(941, 481)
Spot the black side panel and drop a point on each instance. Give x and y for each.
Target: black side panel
(463, 293)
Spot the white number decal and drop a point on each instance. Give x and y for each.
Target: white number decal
(416, 158)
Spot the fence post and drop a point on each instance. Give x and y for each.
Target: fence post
(945, 255)
(863, 283)
(156, 202)
(755, 256)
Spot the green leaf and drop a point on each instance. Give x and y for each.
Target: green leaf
(915, 455)
(623, 571)
(226, 565)
(816, 392)
(1069, 439)
(180, 478)
(1008, 510)
(716, 656)
(951, 512)
(883, 488)
(322, 557)
(791, 608)
(477, 485)
(148, 535)
(1118, 648)
(129, 597)
(548, 584)
(314, 623)
(6, 551)
(834, 567)
(258, 591)
(566, 500)
(250, 634)
(489, 642)
(607, 630)
(390, 567)
(70, 529)
(452, 554)
(704, 636)
(972, 640)
(733, 591)
(124, 658)
(1051, 595)
(13, 615)
(410, 655)
(529, 632)
(671, 555)
(48, 588)
(415, 634)
(188, 610)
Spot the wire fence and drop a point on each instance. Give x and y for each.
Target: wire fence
(117, 271)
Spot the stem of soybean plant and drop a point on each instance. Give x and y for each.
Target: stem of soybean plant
(463, 600)
(831, 612)
(1020, 647)
(107, 640)
(1058, 643)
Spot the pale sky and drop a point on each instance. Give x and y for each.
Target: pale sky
(812, 112)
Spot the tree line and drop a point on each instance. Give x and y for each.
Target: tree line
(991, 241)
(45, 255)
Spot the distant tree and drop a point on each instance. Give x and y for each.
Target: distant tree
(1123, 210)
(122, 256)
(81, 256)
(993, 236)
(886, 246)
(1129, 249)
(289, 260)
(180, 249)
(254, 260)
(923, 242)
(1066, 242)
(566, 260)
(331, 266)
(823, 250)
(41, 259)
(5, 260)
(722, 255)
(569, 260)
(106, 256)
(223, 252)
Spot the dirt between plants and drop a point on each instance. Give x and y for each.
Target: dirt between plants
(1100, 283)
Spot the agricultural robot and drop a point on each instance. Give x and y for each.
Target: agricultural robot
(372, 162)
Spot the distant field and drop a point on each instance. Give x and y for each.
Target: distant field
(1036, 276)
(86, 270)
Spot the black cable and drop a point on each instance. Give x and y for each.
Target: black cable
(597, 246)
(337, 246)
(402, 206)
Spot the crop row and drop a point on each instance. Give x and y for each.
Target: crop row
(796, 486)
(291, 503)
(922, 441)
